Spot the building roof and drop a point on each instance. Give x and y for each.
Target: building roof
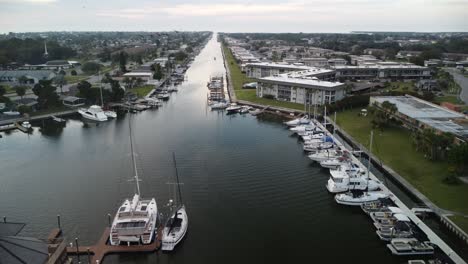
(39, 74)
(138, 74)
(19, 250)
(57, 63)
(430, 114)
(303, 81)
(278, 66)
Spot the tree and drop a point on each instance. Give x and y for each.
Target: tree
(158, 74)
(24, 109)
(180, 56)
(73, 73)
(458, 155)
(91, 67)
(46, 95)
(2, 91)
(123, 61)
(85, 89)
(20, 91)
(117, 92)
(62, 72)
(60, 81)
(383, 115)
(23, 79)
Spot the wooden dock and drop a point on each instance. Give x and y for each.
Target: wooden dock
(102, 248)
(432, 236)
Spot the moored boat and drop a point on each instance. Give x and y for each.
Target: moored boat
(93, 113)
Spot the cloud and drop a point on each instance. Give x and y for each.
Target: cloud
(204, 10)
(28, 1)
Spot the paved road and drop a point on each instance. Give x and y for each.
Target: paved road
(460, 80)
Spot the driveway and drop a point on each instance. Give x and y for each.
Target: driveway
(460, 80)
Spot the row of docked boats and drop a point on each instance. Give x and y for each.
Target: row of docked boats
(393, 226)
(351, 184)
(349, 181)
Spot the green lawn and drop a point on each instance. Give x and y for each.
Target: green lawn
(142, 91)
(75, 78)
(394, 147)
(238, 79)
(448, 98)
(401, 86)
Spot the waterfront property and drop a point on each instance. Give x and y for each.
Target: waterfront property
(421, 114)
(264, 69)
(300, 87)
(26, 76)
(384, 71)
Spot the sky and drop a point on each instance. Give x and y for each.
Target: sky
(234, 15)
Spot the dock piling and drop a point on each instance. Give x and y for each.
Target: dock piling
(4, 219)
(109, 219)
(89, 256)
(77, 249)
(58, 222)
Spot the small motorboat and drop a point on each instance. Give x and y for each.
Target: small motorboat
(58, 119)
(110, 114)
(26, 125)
(410, 246)
(219, 106)
(298, 121)
(244, 109)
(357, 200)
(255, 112)
(11, 113)
(233, 108)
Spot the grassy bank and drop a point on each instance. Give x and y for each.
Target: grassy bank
(448, 98)
(142, 91)
(394, 147)
(75, 78)
(239, 79)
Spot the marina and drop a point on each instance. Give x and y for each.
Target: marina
(245, 177)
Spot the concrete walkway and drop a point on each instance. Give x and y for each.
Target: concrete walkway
(461, 80)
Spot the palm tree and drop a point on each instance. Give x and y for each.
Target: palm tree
(60, 81)
(20, 91)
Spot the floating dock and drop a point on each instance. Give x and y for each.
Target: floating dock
(102, 248)
(433, 237)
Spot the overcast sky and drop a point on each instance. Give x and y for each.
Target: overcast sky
(234, 15)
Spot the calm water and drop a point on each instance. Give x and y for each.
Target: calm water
(251, 193)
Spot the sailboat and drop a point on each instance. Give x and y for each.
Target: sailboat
(177, 224)
(354, 199)
(108, 113)
(135, 220)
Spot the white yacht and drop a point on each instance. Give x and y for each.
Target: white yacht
(334, 163)
(298, 121)
(302, 128)
(344, 183)
(357, 200)
(317, 146)
(135, 220)
(177, 224)
(310, 136)
(325, 154)
(94, 113)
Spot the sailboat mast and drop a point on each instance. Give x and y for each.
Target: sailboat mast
(100, 88)
(177, 178)
(370, 152)
(133, 158)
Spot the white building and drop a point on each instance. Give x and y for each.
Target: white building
(260, 70)
(391, 71)
(143, 75)
(320, 62)
(297, 87)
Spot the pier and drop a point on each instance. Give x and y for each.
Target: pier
(433, 237)
(37, 117)
(102, 248)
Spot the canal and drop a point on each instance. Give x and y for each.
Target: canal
(252, 195)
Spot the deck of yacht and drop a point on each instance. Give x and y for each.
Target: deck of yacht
(103, 248)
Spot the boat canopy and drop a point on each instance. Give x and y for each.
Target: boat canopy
(402, 217)
(394, 209)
